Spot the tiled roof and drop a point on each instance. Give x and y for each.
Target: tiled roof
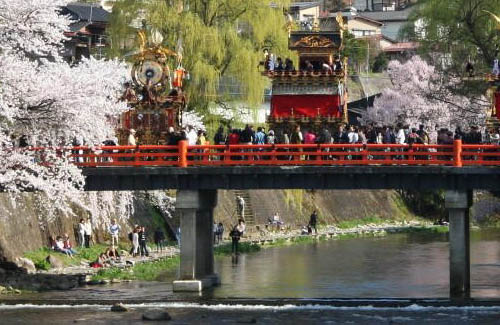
(87, 12)
(361, 17)
(304, 5)
(398, 15)
(401, 47)
(77, 26)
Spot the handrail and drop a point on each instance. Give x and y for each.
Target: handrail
(183, 155)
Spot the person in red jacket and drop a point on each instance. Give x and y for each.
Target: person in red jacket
(234, 139)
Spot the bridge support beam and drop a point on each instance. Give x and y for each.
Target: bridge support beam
(196, 248)
(458, 204)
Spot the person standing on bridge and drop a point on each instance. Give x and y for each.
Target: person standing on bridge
(313, 221)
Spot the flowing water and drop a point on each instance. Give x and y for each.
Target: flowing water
(400, 265)
(395, 266)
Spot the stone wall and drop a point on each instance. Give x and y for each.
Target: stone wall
(295, 206)
(22, 228)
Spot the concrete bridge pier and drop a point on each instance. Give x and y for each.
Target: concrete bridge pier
(196, 209)
(458, 204)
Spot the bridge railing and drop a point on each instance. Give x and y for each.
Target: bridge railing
(183, 155)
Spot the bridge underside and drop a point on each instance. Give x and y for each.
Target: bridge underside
(301, 177)
(197, 196)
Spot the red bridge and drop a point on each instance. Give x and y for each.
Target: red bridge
(197, 172)
(457, 155)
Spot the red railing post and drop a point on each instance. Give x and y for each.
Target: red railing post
(364, 155)
(204, 151)
(457, 153)
(136, 155)
(183, 149)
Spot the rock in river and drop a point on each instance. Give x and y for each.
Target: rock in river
(119, 308)
(26, 264)
(156, 315)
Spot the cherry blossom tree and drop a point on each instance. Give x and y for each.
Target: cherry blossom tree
(420, 95)
(46, 101)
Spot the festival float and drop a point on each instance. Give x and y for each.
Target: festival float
(155, 95)
(311, 96)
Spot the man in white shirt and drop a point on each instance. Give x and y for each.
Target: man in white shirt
(114, 230)
(353, 136)
(400, 139)
(400, 136)
(191, 136)
(131, 138)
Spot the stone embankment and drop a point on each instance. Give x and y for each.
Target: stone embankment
(64, 278)
(264, 237)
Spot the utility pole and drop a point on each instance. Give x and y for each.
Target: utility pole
(367, 57)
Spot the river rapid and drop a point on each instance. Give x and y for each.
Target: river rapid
(252, 285)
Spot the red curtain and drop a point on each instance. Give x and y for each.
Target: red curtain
(305, 105)
(497, 104)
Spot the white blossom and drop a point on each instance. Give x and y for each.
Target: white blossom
(50, 103)
(420, 95)
(193, 119)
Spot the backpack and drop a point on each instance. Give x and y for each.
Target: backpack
(245, 136)
(130, 236)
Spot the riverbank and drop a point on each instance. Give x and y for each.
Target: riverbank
(76, 271)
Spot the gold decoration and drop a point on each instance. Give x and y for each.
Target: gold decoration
(316, 24)
(342, 25)
(340, 21)
(313, 41)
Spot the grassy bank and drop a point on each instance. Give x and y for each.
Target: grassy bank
(83, 254)
(150, 271)
(147, 271)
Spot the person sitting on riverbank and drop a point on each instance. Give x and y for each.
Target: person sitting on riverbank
(101, 261)
(112, 253)
(67, 244)
(59, 247)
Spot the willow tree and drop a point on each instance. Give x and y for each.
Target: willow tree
(457, 31)
(219, 39)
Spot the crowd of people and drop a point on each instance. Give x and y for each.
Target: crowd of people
(273, 64)
(83, 233)
(351, 134)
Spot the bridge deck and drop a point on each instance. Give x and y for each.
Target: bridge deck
(292, 177)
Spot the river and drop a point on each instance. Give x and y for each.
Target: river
(394, 266)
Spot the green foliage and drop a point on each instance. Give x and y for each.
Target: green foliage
(225, 249)
(427, 204)
(356, 50)
(88, 254)
(219, 38)
(380, 63)
(459, 29)
(149, 271)
(429, 230)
